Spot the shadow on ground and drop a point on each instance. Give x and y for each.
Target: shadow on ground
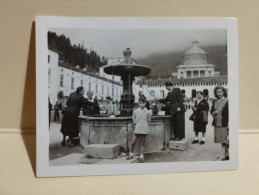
(28, 116)
(57, 151)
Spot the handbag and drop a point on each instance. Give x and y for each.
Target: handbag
(64, 110)
(193, 117)
(205, 116)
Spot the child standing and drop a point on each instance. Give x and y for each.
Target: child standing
(141, 118)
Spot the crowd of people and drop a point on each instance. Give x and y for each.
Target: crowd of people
(174, 105)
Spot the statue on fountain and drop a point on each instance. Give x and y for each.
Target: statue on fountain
(127, 54)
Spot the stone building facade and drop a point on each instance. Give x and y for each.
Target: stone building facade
(64, 79)
(189, 87)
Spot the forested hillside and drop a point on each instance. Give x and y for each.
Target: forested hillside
(75, 54)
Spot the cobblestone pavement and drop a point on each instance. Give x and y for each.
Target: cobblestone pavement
(60, 155)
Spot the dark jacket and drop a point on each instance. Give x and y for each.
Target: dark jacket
(69, 125)
(201, 109)
(75, 100)
(175, 98)
(91, 108)
(224, 114)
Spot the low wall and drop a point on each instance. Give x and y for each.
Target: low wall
(101, 130)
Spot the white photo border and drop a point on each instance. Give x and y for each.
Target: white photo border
(44, 23)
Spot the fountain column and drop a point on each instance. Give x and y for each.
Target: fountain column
(127, 69)
(127, 97)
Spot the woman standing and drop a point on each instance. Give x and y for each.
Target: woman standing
(70, 119)
(201, 108)
(219, 112)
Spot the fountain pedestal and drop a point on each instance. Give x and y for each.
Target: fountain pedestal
(104, 130)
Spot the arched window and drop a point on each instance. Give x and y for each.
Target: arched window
(96, 88)
(206, 93)
(82, 83)
(60, 95)
(61, 84)
(89, 86)
(72, 83)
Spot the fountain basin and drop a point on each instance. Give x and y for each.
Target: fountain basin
(125, 69)
(104, 130)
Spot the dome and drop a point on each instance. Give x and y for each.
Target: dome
(195, 56)
(195, 49)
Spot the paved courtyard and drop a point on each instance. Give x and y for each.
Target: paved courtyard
(60, 155)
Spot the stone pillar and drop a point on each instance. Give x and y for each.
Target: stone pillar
(127, 97)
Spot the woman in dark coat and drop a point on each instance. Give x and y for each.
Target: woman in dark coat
(201, 108)
(70, 119)
(219, 112)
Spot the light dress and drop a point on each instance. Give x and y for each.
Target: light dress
(141, 118)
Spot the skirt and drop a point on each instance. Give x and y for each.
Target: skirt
(69, 125)
(220, 135)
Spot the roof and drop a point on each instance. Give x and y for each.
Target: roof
(55, 50)
(114, 60)
(195, 49)
(223, 78)
(62, 64)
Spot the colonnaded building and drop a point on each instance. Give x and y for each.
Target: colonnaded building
(194, 74)
(64, 79)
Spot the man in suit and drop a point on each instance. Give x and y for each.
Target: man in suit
(174, 100)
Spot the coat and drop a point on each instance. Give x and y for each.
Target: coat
(224, 114)
(175, 98)
(91, 107)
(69, 125)
(199, 123)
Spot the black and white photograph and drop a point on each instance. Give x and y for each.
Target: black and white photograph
(136, 95)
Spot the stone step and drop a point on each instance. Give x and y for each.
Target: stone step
(108, 151)
(178, 145)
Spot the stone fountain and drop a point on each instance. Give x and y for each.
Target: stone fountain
(127, 69)
(117, 130)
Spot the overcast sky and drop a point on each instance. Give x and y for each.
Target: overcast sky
(111, 42)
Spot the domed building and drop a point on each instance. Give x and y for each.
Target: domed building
(194, 74)
(195, 64)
